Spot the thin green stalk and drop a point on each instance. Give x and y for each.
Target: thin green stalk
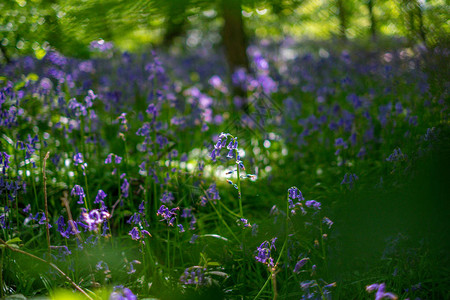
(32, 179)
(168, 249)
(241, 211)
(58, 270)
(88, 199)
(144, 261)
(228, 210)
(47, 216)
(281, 251)
(224, 222)
(2, 293)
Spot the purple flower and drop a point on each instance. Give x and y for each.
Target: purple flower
(300, 264)
(135, 235)
(193, 238)
(100, 196)
(264, 253)
(27, 209)
(221, 143)
(78, 159)
(168, 215)
(108, 159)
(135, 219)
(93, 219)
(294, 194)
(132, 269)
(339, 142)
(349, 179)
(193, 275)
(125, 188)
(78, 191)
(167, 198)
(244, 222)
(142, 207)
(327, 222)
(121, 293)
(313, 203)
(61, 224)
(380, 291)
(396, 155)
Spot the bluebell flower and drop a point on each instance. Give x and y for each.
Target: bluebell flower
(135, 219)
(27, 209)
(396, 155)
(193, 275)
(142, 207)
(264, 253)
(101, 195)
(78, 191)
(167, 198)
(327, 222)
(168, 215)
(349, 179)
(380, 291)
(125, 188)
(313, 203)
(135, 235)
(93, 219)
(300, 264)
(78, 159)
(243, 222)
(193, 238)
(122, 293)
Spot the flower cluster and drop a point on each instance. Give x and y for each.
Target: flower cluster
(380, 291)
(243, 222)
(78, 191)
(295, 195)
(93, 219)
(72, 227)
(231, 147)
(396, 155)
(221, 143)
(137, 235)
(187, 213)
(168, 215)
(122, 293)
(349, 179)
(300, 264)
(194, 275)
(211, 194)
(264, 252)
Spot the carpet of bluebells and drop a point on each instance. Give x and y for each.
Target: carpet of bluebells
(141, 176)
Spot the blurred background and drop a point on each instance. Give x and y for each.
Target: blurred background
(33, 27)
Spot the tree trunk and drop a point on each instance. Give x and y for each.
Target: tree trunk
(342, 15)
(422, 34)
(235, 43)
(176, 20)
(373, 24)
(5, 54)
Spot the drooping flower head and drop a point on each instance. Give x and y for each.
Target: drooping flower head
(264, 253)
(380, 291)
(78, 191)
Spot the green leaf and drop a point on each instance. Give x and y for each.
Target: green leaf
(32, 77)
(13, 241)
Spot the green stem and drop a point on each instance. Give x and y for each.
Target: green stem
(88, 199)
(224, 223)
(2, 294)
(168, 249)
(281, 251)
